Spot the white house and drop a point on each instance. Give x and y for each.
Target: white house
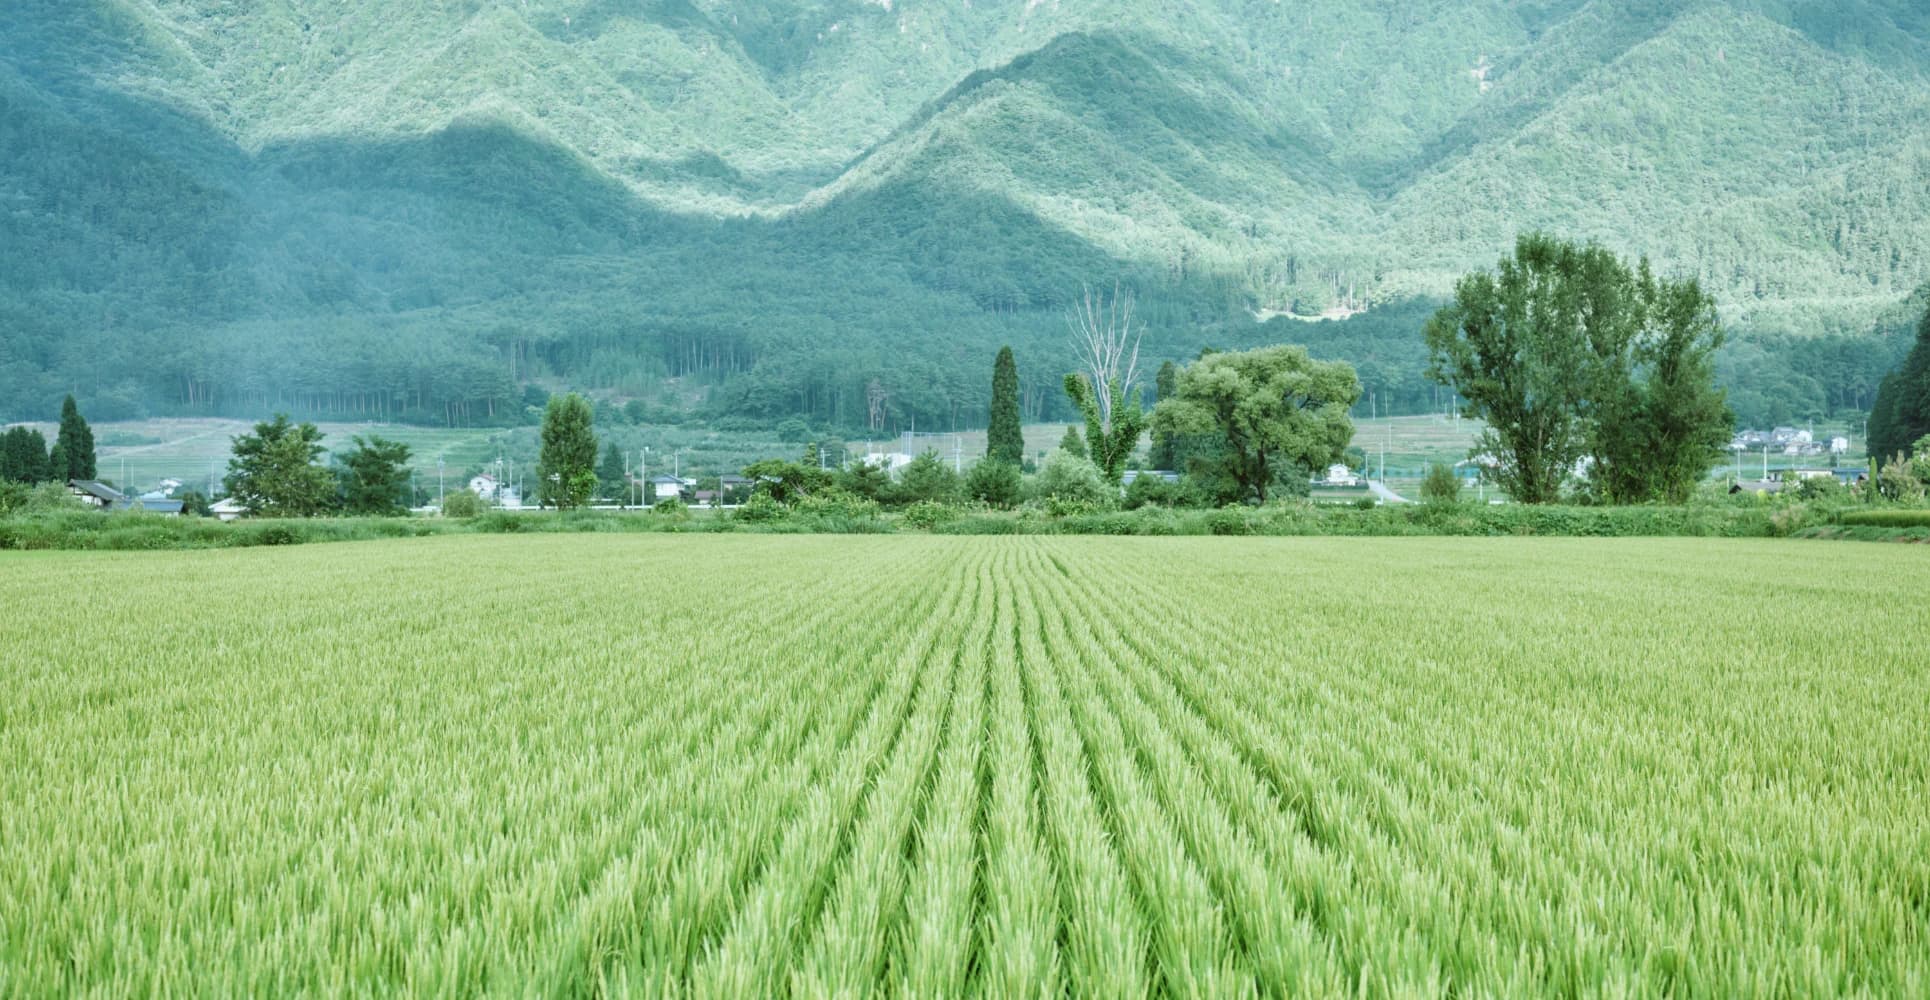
(1839, 445)
(1340, 475)
(227, 508)
(669, 487)
(483, 486)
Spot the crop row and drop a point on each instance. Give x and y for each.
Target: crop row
(1004, 766)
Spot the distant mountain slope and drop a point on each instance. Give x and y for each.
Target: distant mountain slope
(413, 208)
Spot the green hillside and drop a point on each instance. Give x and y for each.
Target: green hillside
(418, 210)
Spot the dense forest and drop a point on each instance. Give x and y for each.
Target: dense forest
(837, 211)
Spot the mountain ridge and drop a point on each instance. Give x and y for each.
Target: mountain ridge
(808, 188)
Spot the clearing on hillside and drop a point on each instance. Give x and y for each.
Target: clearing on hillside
(743, 766)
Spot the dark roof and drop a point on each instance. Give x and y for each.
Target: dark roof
(157, 506)
(97, 489)
(666, 479)
(732, 479)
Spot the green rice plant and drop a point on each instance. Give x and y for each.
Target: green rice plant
(575, 761)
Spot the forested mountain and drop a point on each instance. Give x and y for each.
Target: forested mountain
(417, 208)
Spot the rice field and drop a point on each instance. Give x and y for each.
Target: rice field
(816, 766)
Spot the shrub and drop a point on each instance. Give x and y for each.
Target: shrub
(1072, 481)
(462, 503)
(1886, 518)
(1366, 503)
(1441, 485)
(928, 514)
(671, 507)
(760, 509)
(996, 483)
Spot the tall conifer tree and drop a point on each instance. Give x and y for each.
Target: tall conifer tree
(1005, 442)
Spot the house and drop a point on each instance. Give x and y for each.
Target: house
(96, 494)
(101, 496)
(1839, 445)
(163, 506)
(705, 498)
(228, 508)
(1126, 478)
(1340, 475)
(484, 486)
(668, 487)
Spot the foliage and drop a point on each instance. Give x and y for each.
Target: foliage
(612, 474)
(1074, 443)
(274, 470)
(1901, 415)
(1069, 478)
(786, 482)
(1005, 440)
(996, 483)
(928, 514)
(1110, 436)
(927, 479)
(762, 507)
(1565, 353)
(73, 453)
(671, 507)
(462, 503)
(566, 465)
(1886, 518)
(1273, 412)
(209, 215)
(375, 477)
(24, 458)
(1441, 486)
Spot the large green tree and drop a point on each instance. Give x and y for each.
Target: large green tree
(566, 465)
(1656, 421)
(73, 454)
(23, 456)
(1901, 416)
(1275, 411)
(275, 471)
(1005, 441)
(375, 477)
(1164, 455)
(612, 474)
(1512, 345)
(1566, 352)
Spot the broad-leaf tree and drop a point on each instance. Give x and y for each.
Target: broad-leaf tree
(1005, 441)
(1565, 352)
(1275, 411)
(375, 476)
(566, 465)
(275, 470)
(1164, 454)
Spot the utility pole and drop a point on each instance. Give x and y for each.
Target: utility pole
(440, 492)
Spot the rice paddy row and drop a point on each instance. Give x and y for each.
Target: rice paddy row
(820, 766)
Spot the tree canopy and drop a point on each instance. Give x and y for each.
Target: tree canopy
(566, 464)
(1566, 352)
(375, 476)
(1274, 412)
(275, 472)
(1005, 439)
(1901, 416)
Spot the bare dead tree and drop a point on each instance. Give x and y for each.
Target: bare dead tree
(874, 400)
(1105, 343)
